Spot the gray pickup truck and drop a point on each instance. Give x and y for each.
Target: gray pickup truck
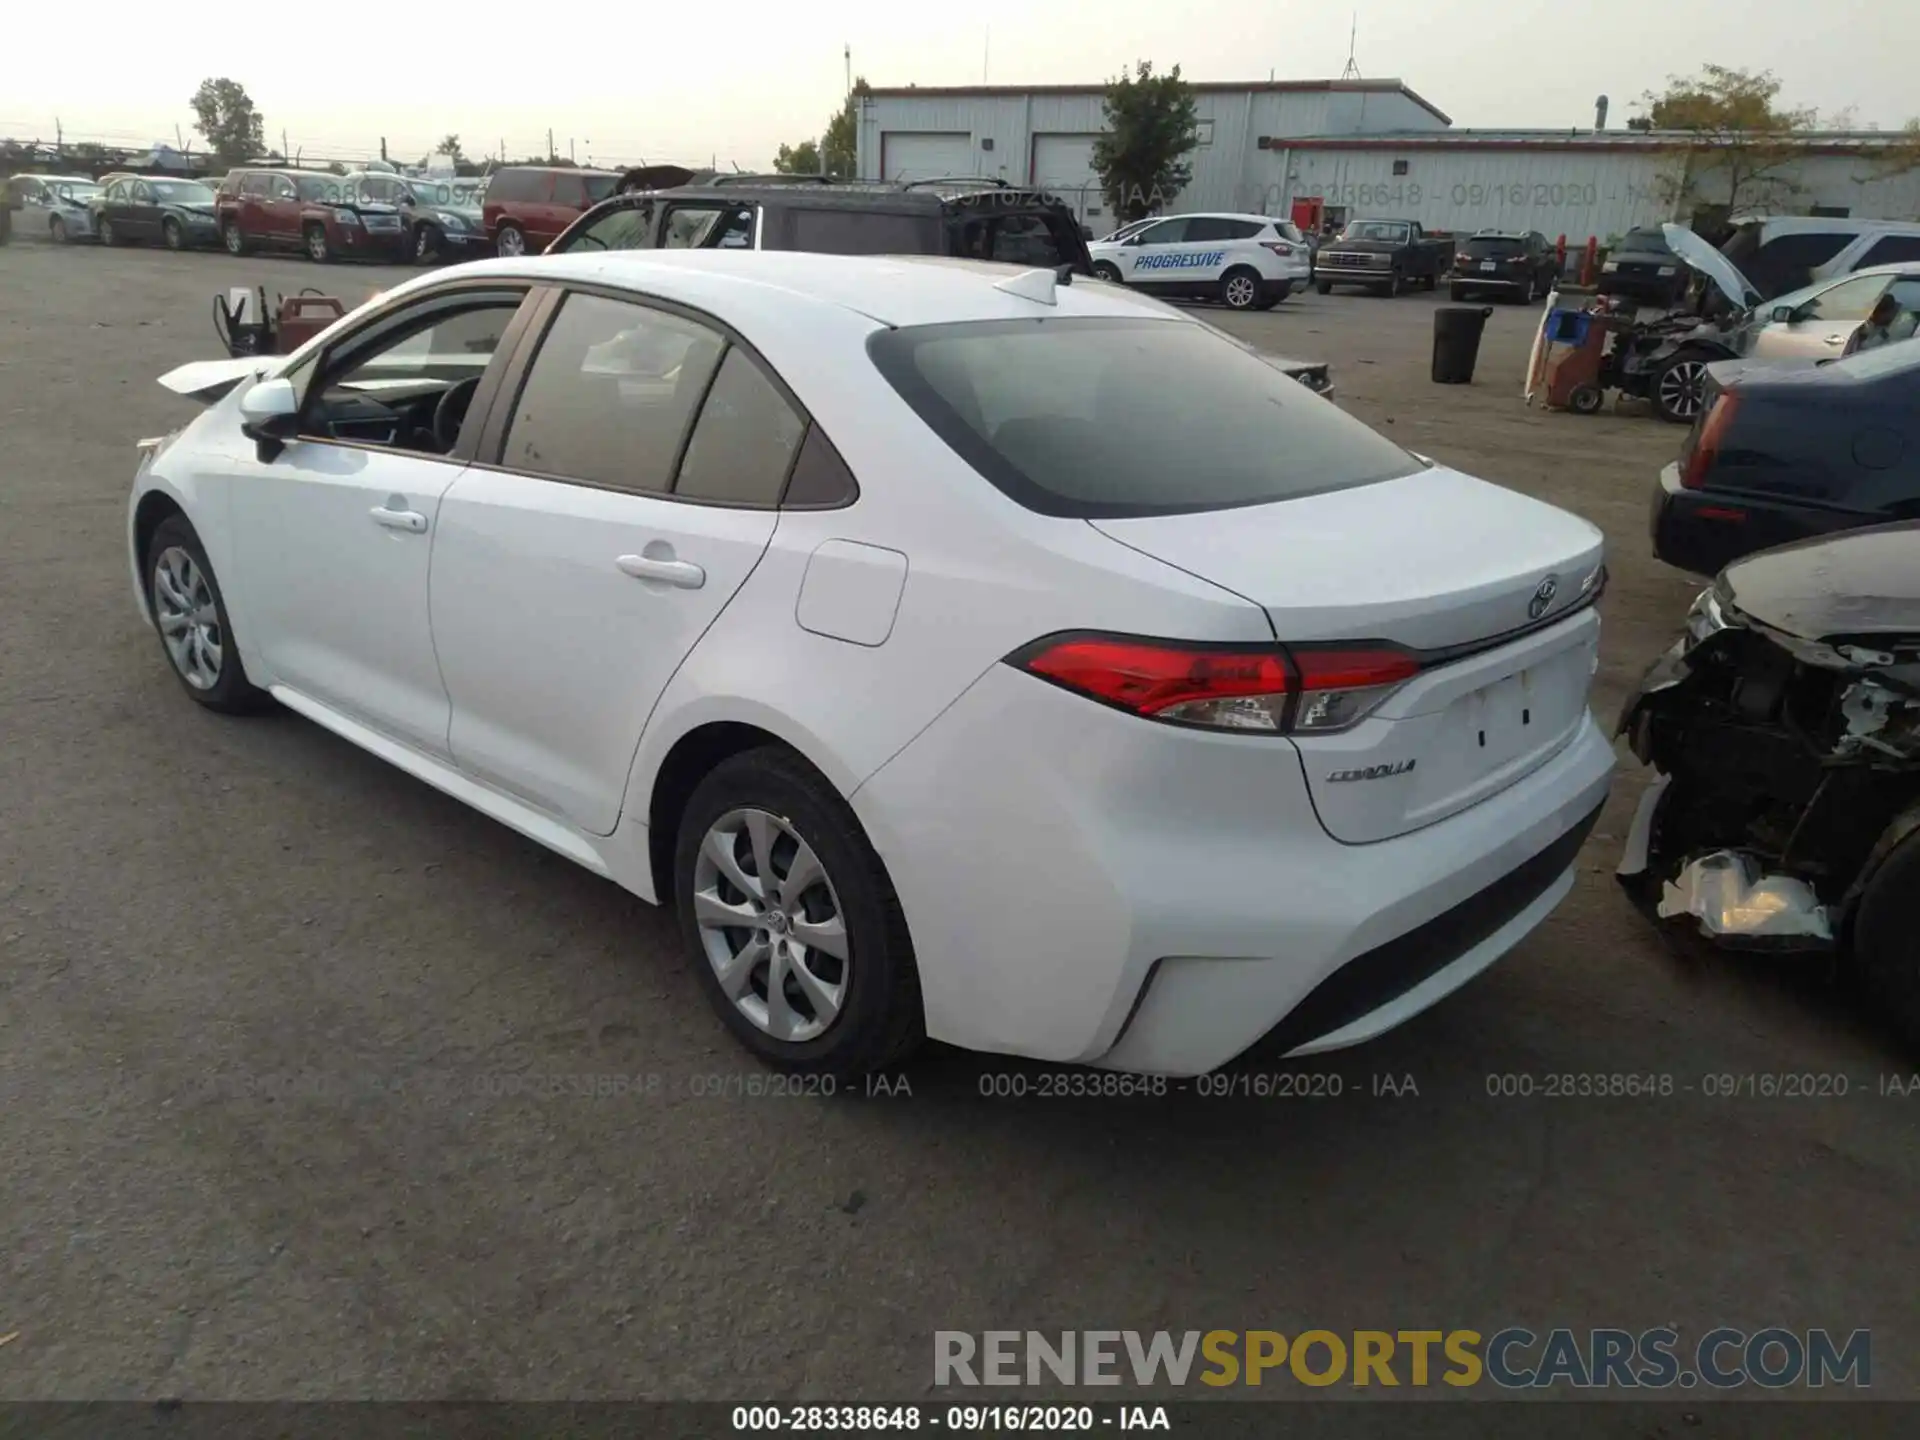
(1385, 256)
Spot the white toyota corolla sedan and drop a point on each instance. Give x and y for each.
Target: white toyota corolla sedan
(960, 652)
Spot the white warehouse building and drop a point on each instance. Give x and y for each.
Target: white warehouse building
(1333, 150)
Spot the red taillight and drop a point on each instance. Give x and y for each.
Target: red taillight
(1463, 258)
(1705, 450)
(1226, 688)
(1277, 247)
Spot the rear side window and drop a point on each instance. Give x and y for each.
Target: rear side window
(853, 232)
(609, 396)
(1787, 262)
(820, 478)
(1893, 250)
(1091, 418)
(744, 442)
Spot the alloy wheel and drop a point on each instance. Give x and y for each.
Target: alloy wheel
(172, 234)
(59, 229)
(106, 232)
(1681, 387)
(423, 246)
(317, 243)
(1240, 291)
(189, 620)
(771, 925)
(236, 242)
(511, 242)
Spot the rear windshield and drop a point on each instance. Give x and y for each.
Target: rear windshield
(1491, 247)
(1012, 237)
(1103, 418)
(1645, 240)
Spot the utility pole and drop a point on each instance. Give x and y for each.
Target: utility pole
(552, 154)
(286, 150)
(59, 136)
(383, 147)
(178, 142)
(570, 148)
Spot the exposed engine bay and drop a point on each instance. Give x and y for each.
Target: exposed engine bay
(1788, 769)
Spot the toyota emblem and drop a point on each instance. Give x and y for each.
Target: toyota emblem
(1543, 597)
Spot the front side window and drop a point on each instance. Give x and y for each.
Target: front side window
(628, 228)
(390, 389)
(1167, 232)
(1849, 300)
(283, 188)
(608, 398)
(743, 444)
(1105, 418)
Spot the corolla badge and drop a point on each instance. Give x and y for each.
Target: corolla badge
(1543, 597)
(1373, 772)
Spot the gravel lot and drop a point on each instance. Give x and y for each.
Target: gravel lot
(259, 994)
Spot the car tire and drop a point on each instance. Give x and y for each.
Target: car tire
(1882, 930)
(315, 243)
(1396, 282)
(510, 240)
(1240, 288)
(877, 1016)
(171, 232)
(1323, 287)
(182, 591)
(57, 230)
(426, 244)
(1102, 270)
(1585, 399)
(1677, 386)
(108, 235)
(234, 238)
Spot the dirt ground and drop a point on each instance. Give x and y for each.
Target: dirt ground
(263, 1000)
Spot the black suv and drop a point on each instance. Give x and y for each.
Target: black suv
(1513, 264)
(965, 218)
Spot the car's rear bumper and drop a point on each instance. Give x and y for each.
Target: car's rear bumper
(1113, 891)
(1703, 531)
(1469, 280)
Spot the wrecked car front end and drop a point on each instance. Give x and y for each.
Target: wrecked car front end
(1784, 731)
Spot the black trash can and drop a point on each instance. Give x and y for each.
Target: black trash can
(1456, 342)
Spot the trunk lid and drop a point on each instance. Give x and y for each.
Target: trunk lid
(1484, 582)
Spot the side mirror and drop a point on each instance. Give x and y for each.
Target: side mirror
(1784, 314)
(270, 412)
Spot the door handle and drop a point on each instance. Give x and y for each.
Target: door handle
(411, 521)
(681, 574)
(1834, 340)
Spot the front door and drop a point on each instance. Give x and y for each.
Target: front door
(1821, 326)
(1153, 258)
(333, 533)
(571, 581)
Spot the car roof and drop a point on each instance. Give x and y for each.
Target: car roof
(63, 179)
(742, 286)
(1799, 224)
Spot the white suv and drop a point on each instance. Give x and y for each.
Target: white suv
(1779, 253)
(1248, 262)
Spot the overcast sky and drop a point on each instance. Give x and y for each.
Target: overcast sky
(690, 82)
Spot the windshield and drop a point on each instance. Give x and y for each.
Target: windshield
(75, 192)
(181, 192)
(1393, 232)
(429, 192)
(1101, 418)
(599, 187)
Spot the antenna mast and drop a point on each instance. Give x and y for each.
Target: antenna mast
(1352, 72)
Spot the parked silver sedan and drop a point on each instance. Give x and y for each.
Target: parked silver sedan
(52, 207)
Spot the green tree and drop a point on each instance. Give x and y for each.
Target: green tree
(1742, 141)
(801, 159)
(1141, 159)
(450, 147)
(840, 145)
(225, 116)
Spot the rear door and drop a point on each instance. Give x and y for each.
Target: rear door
(574, 571)
(280, 210)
